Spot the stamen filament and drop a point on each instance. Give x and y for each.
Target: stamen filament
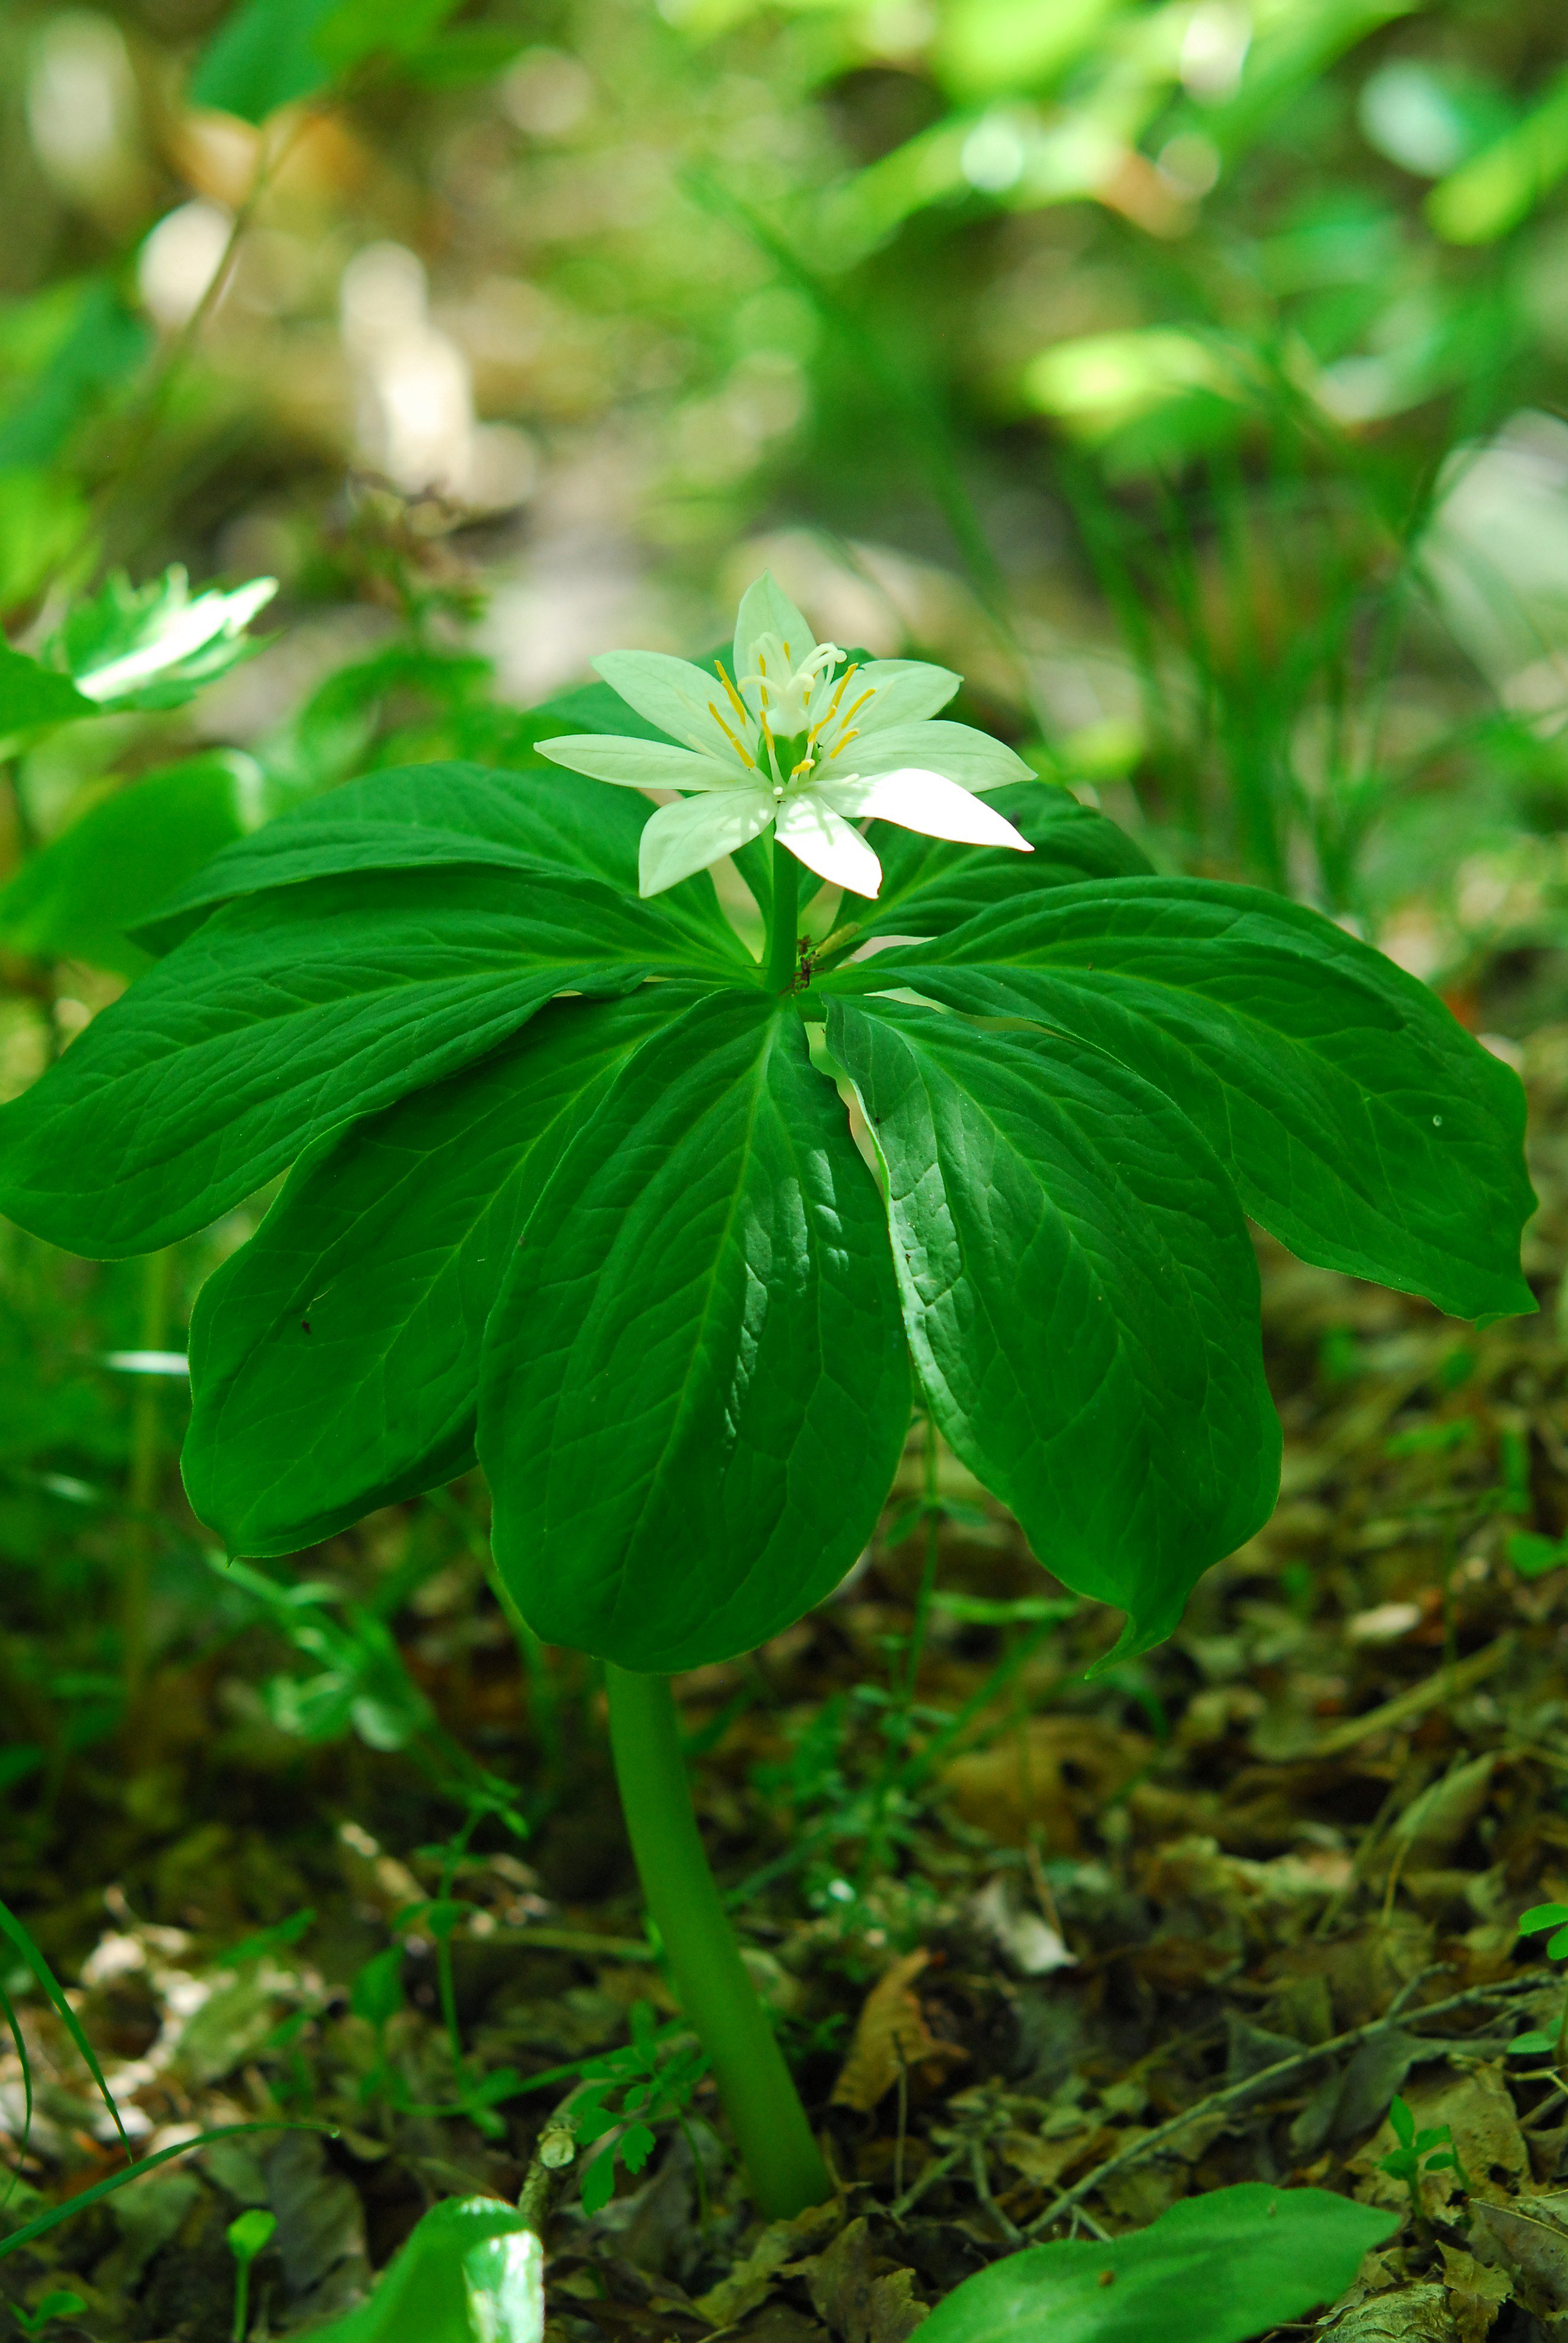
(850, 713)
(838, 695)
(739, 747)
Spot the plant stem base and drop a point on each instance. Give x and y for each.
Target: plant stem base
(782, 2160)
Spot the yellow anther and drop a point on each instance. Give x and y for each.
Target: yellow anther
(833, 703)
(738, 746)
(735, 699)
(850, 713)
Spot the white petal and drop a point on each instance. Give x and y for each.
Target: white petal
(972, 759)
(905, 690)
(767, 609)
(686, 837)
(679, 698)
(639, 764)
(825, 843)
(928, 802)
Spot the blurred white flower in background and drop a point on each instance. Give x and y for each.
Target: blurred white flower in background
(84, 111)
(414, 418)
(179, 259)
(1495, 554)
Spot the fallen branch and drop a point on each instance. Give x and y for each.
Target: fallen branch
(1268, 2078)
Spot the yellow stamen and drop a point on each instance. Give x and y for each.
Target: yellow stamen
(822, 723)
(735, 699)
(850, 713)
(739, 747)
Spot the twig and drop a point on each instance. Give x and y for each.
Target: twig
(1443, 1684)
(1268, 2078)
(928, 2179)
(573, 1940)
(981, 2178)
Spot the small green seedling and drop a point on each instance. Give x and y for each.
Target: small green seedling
(1531, 1923)
(377, 1996)
(647, 2088)
(247, 2237)
(53, 2306)
(1420, 2154)
(1532, 1557)
(576, 1189)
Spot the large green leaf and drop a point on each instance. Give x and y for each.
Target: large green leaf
(1080, 1295)
(1217, 2269)
(696, 1388)
(1362, 1124)
(930, 886)
(76, 898)
(285, 1016)
(472, 2272)
(336, 1357)
(413, 816)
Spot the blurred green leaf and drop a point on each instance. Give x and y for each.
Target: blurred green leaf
(268, 53)
(987, 47)
(1501, 186)
(101, 343)
(250, 2234)
(43, 523)
(32, 695)
(76, 898)
(376, 1993)
(1534, 1556)
(1216, 2268)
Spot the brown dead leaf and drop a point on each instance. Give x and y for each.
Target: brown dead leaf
(857, 2302)
(1529, 2240)
(1475, 2294)
(1047, 2162)
(1433, 1823)
(1048, 1778)
(1410, 2314)
(749, 2282)
(891, 2037)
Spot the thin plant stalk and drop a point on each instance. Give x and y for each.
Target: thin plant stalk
(145, 1473)
(782, 2160)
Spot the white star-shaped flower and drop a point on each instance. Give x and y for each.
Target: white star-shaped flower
(785, 742)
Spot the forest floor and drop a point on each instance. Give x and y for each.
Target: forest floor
(1047, 1951)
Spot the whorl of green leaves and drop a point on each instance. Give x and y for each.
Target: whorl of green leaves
(572, 1191)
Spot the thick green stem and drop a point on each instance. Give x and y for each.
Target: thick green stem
(781, 2158)
(783, 965)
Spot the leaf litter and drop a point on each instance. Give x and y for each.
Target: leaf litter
(1050, 1952)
